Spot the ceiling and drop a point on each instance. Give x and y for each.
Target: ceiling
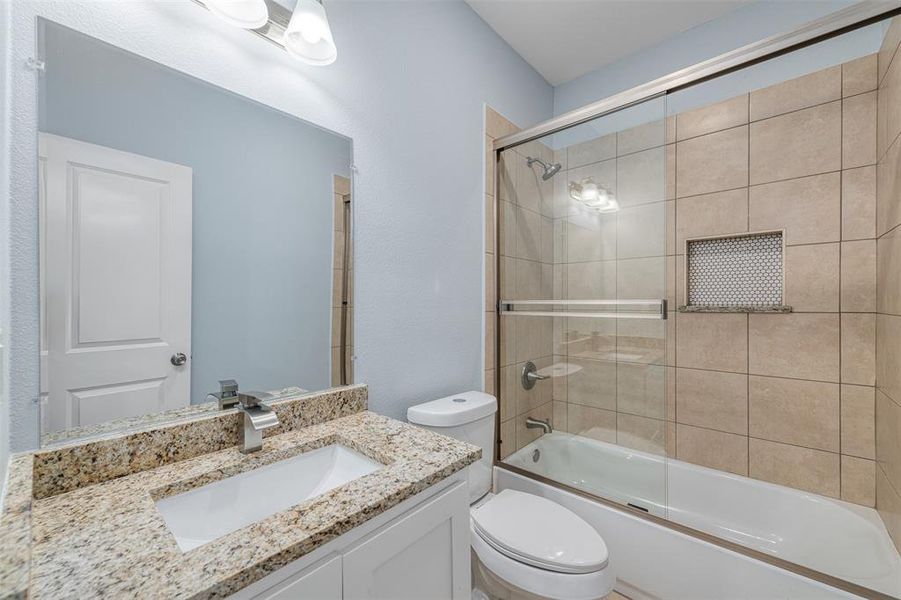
(564, 39)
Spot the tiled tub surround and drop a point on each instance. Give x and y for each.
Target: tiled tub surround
(786, 398)
(108, 538)
(888, 285)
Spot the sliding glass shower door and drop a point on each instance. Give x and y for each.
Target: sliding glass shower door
(583, 260)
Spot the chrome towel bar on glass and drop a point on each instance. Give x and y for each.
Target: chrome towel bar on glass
(654, 309)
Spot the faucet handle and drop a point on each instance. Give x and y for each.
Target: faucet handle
(227, 396)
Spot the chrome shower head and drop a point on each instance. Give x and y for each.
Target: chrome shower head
(549, 170)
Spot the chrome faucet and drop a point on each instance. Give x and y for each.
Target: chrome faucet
(227, 396)
(257, 418)
(544, 424)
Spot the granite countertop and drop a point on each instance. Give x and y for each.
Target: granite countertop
(193, 411)
(107, 538)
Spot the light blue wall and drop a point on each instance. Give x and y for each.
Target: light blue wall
(262, 205)
(409, 87)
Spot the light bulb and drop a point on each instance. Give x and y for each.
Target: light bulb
(311, 35)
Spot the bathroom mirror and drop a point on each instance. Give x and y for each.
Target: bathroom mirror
(188, 236)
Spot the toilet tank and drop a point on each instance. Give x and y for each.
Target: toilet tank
(469, 417)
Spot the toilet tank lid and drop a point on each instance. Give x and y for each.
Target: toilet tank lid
(458, 409)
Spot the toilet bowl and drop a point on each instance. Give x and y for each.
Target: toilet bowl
(523, 546)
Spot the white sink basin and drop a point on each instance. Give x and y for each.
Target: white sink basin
(209, 512)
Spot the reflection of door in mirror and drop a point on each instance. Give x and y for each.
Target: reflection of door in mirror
(116, 283)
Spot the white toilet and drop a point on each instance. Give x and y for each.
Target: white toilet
(524, 546)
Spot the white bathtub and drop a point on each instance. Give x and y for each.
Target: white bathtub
(830, 536)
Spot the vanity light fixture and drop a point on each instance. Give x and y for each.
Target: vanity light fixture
(308, 37)
(246, 14)
(593, 196)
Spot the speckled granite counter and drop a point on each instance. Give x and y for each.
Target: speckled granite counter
(168, 417)
(106, 539)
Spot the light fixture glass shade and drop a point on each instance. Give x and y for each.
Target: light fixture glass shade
(246, 14)
(593, 196)
(308, 36)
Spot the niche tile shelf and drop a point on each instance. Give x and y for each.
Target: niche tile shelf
(736, 273)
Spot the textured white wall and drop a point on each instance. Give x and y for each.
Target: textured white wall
(409, 87)
(4, 248)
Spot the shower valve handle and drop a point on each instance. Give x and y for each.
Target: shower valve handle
(530, 376)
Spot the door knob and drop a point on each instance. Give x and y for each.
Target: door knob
(178, 359)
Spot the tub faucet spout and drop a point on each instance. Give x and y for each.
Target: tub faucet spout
(544, 424)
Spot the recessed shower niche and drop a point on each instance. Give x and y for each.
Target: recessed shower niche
(743, 272)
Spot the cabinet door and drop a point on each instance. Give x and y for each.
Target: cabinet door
(319, 582)
(424, 555)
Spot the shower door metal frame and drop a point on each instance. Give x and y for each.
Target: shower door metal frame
(843, 21)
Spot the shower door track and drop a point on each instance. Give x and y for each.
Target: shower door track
(843, 21)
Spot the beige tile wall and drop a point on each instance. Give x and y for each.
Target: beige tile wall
(787, 398)
(888, 285)
(341, 187)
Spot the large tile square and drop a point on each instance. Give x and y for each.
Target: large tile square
(712, 163)
(802, 413)
(859, 348)
(800, 468)
(712, 341)
(707, 215)
(712, 399)
(797, 345)
(812, 278)
(715, 449)
(808, 208)
(796, 144)
(794, 94)
(858, 421)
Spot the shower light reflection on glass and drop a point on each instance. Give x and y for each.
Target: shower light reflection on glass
(594, 196)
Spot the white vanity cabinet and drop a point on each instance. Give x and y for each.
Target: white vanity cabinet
(416, 550)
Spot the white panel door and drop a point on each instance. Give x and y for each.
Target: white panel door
(116, 282)
(424, 555)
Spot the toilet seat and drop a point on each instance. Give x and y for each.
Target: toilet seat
(538, 532)
(540, 547)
